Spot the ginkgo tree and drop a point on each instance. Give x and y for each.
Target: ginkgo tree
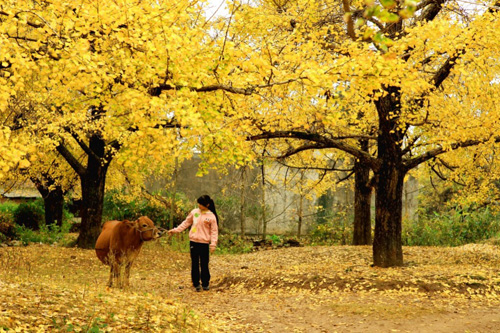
(415, 80)
(109, 75)
(41, 165)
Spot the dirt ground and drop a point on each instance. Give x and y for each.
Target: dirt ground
(305, 289)
(252, 293)
(284, 313)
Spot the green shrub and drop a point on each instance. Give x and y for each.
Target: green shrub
(453, 228)
(325, 208)
(229, 208)
(275, 239)
(234, 244)
(337, 230)
(27, 223)
(177, 242)
(30, 214)
(46, 234)
(8, 207)
(117, 208)
(7, 226)
(6, 217)
(322, 234)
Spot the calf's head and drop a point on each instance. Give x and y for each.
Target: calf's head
(146, 228)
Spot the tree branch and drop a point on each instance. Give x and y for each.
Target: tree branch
(432, 8)
(414, 162)
(82, 144)
(350, 23)
(321, 141)
(445, 70)
(72, 161)
(302, 148)
(325, 169)
(156, 91)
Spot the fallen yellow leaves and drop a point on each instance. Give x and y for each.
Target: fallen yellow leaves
(25, 306)
(46, 288)
(465, 272)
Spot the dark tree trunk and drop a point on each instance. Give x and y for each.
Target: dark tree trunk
(92, 179)
(263, 196)
(53, 201)
(54, 207)
(93, 185)
(242, 201)
(387, 244)
(301, 214)
(92, 206)
(362, 234)
(362, 207)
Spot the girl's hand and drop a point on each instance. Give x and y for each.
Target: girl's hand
(171, 231)
(212, 249)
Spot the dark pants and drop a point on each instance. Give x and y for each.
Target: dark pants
(200, 255)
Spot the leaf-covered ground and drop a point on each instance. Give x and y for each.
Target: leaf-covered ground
(308, 289)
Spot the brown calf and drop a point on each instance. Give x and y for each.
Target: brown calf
(120, 243)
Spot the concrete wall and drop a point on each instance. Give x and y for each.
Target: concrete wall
(283, 203)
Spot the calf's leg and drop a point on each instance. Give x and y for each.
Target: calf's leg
(114, 275)
(127, 273)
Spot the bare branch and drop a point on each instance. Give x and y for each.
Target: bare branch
(82, 144)
(72, 161)
(445, 70)
(413, 162)
(324, 169)
(156, 91)
(432, 8)
(324, 142)
(302, 148)
(438, 173)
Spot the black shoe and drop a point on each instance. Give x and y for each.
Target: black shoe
(206, 288)
(198, 288)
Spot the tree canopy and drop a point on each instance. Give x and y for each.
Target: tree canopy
(103, 78)
(415, 80)
(388, 84)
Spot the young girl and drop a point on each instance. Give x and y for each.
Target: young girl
(202, 239)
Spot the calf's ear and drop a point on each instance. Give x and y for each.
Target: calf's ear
(130, 223)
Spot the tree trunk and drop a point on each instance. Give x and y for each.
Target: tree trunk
(301, 214)
(174, 194)
(242, 201)
(362, 208)
(387, 243)
(54, 206)
(264, 221)
(362, 234)
(92, 206)
(93, 185)
(53, 201)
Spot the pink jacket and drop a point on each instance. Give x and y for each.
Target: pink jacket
(204, 227)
